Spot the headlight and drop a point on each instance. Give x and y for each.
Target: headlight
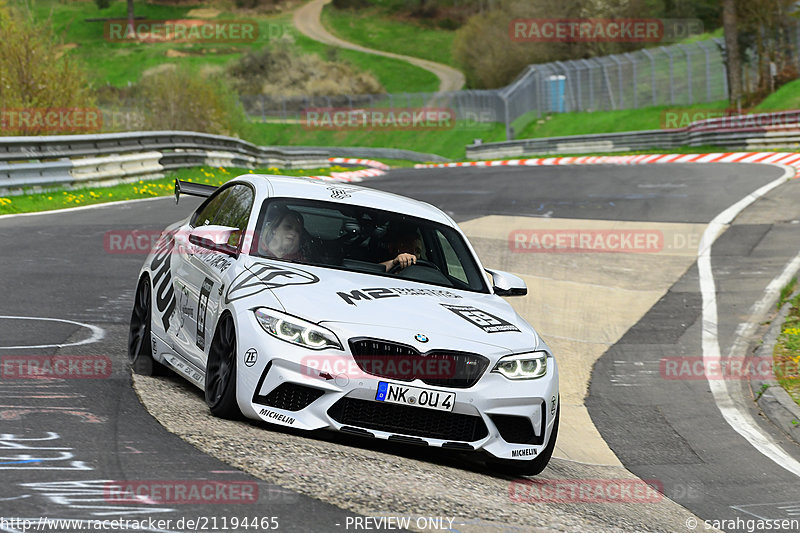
(295, 330)
(523, 366)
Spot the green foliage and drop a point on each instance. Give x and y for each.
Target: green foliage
(34, 73)
(397, 32)
(180, 99)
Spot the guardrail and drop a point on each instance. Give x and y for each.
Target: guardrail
(764, 131)
(374, 153)
(113, 157)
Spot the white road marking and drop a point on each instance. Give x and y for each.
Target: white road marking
(98, 333)
(85, 207)
(738, 418)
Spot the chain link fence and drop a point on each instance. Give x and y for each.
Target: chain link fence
(677, 75)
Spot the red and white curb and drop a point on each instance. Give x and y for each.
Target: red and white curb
(776, 158)
(352, 176)
(361, 162)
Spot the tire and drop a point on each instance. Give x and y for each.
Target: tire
(220, 386)
(140, 348)
(535, 466)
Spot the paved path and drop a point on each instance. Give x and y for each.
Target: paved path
(307, 21)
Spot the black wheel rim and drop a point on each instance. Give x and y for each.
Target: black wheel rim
(221, 364)
(138, 342)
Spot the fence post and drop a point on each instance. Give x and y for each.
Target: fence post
(723, 53)
(635, 84)
(652, 73)
(507, 119)
(671, 76)
(708, 70)
(688, 71)
(619, 78)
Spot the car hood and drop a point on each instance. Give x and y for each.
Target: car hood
(400, 309)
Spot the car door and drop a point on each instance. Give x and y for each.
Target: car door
(204, 269)
(187, 292)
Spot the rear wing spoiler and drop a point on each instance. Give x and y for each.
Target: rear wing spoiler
(192, 189)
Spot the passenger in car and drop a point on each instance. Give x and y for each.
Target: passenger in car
(282, 235)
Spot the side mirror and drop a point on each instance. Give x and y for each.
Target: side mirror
(505, 284)
(222, 239)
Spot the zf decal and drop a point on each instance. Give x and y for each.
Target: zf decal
(202, 307)
(487, 322)
(162, 278)
(250, 357)
(265, 276)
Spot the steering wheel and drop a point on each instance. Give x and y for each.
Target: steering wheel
(420, 262)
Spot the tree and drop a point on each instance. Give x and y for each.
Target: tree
(103, 4)
(33, 73)
(732, 57)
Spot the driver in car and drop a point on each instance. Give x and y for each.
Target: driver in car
(282, 235)
(406, 246)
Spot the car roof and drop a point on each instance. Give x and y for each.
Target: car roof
(298, 187)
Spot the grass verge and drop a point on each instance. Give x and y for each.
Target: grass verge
(120, 63)
(63, 198)
(374, 27)
(786, 355)
(447, 143)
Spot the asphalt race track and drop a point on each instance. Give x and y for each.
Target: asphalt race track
(64, 444)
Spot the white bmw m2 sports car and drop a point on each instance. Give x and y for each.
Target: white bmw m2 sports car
(316, 305)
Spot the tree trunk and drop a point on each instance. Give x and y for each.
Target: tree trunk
(131, 33)
(734, 61)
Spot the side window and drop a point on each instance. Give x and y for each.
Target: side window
(207, 214)
(236, 211)
(454, 267)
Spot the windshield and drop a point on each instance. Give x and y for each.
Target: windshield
(366, 240)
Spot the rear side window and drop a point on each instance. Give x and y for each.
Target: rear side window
(207, 214)
(235, 211)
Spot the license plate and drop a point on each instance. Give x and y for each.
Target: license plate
(415, 396)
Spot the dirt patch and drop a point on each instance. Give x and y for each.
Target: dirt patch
(159, 69)
(176, 53)
(203, 13)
